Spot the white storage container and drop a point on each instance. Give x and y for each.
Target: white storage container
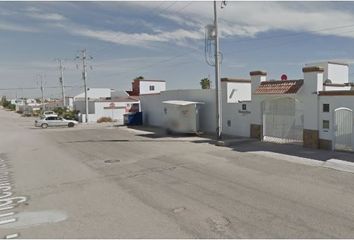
(181, 116)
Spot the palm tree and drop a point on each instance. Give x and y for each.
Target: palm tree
(205, 83)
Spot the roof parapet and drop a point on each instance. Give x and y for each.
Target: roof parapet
(258, 73)
(312, 69)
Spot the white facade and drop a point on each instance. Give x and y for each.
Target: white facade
(181, 116)
(236, 105)
(296, 113)
(95, 93)
(151, 86)
(152, 106)
(336, 72)
(114, 109)
(235, 119)
(327, 132)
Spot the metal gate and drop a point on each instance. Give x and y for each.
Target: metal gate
(283, 120)
(343, 129)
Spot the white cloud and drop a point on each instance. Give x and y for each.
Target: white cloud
(178, 36)
(5, 26)
(37, 13)
(47, 16)
(247, 19)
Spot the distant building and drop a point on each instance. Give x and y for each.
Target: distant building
(95, 93)
(114, 108)
(142, 87)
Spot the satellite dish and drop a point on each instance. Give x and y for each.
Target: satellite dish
(284, 77)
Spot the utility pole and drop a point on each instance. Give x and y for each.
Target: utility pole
(83, 57)
(217, 77)
(42, 91)
(61, 80)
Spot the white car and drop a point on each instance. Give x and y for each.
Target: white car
(54, 121)
(49, 114)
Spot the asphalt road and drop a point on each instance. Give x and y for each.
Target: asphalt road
(108, 182)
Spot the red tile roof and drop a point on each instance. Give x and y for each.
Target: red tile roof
(279, 87)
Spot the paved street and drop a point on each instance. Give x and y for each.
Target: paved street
(110, 182)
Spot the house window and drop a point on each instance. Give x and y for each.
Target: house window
(229, 123)
(152, 87)
(326, 107)
(325, 124)
(244, 107)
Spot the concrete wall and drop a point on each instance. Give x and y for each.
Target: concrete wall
(145, 87)
(336, 88)
(336, 72)
(97, 109)
(115, 114)
(236, 91)
(79, 105)
(313, 82)
(334, 103)
(95, 93)
(236, 121)
(152, 106)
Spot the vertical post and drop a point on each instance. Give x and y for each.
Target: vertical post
(61, 80)
(217, 78)
(84, 76)
(42, 91)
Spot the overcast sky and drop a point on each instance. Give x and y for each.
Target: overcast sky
(165, 40)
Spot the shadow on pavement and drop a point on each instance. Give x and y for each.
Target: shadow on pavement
(141, 140)
(293, 150)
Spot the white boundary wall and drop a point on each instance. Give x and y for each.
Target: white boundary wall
(152, 107)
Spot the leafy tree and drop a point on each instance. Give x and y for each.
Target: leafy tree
(205, 83)
(59, 111)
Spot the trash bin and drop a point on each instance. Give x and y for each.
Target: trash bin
(131, 119)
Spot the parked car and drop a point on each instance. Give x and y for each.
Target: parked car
(50, 113)
(54, 121)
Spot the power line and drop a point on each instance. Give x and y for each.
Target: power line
(154, 12)
(35, 88)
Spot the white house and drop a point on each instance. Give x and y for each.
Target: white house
(142, 87)
(95, 93)
(316, 111)
(237, 96)
(114, 108)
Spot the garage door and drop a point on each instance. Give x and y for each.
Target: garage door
(282, 121)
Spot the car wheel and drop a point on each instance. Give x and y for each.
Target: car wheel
(71, 124)
(44, 125)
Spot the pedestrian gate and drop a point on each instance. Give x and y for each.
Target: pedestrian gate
(283, 120)
(343, 129)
